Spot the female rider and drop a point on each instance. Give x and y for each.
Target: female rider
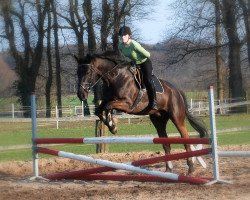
(133, 50)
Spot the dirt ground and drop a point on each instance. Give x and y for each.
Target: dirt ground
(16, 180)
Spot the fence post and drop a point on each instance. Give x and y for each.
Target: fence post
(100, 130)
(13, 110)
(82, 109)
(57, 118)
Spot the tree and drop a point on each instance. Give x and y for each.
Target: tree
(19, 18)
(57, 57)
(245, 6)
(87, 8)
(199, 25)
(76, 23)
(219, 60)
(105, 24)
(230, 23)
(50, 68)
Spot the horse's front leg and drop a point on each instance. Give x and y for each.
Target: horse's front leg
(110, 121)
(104, 112)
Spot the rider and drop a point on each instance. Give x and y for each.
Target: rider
(133, 50)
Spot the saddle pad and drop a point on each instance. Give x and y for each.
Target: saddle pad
(158, 85)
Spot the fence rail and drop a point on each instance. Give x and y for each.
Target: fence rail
(197, 107)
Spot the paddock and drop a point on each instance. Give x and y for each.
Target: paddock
(130, 167)
(15, 179)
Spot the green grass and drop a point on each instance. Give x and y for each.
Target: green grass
(20, 134)
(234, 138)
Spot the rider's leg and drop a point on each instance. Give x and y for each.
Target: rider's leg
(151, 94)
(147, 69)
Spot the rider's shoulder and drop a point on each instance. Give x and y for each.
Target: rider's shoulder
(135, 43)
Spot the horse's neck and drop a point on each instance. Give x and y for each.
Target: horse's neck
(121, 79)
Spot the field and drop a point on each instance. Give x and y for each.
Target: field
(15, 136)
(16, 165)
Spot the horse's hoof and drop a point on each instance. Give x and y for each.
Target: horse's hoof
(114, 130)
(168, 169)
(190, 170)
(115, 120)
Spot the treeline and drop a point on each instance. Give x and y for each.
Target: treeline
(211, 36)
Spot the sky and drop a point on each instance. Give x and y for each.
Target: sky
(153, 31)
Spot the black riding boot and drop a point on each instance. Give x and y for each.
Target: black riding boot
(152, 96)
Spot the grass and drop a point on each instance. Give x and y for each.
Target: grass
(20, 134)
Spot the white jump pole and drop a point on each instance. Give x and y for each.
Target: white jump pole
(234, 153)
(214, 145)
(34, 136)
(124, 166)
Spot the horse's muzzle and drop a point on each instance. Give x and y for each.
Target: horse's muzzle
(82, 95)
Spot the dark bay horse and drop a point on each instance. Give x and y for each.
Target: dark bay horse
(122, 92)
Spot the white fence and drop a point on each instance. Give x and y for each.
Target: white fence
(197, 107)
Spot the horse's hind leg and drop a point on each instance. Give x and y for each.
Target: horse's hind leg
(180, 125)
(160, 123)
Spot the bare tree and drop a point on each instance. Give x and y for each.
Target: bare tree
(245, 6)
(198, 27)
(50, 68)
(76, 23)
(119, 14)
(105, 24)
(230, 23)
(18, 22)
(87, 8)
(57, 57)
(219, 60)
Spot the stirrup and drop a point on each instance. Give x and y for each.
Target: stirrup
(153, 106)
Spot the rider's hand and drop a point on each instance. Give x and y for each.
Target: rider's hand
(132, 63)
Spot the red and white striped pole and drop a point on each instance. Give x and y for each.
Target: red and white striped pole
(122, 166)
(122, 140)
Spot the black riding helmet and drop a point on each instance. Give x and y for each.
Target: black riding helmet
(124, 30)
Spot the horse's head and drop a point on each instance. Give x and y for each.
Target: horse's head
(86, 76)
(95, 67)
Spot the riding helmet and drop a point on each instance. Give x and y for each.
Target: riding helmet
(124, 30)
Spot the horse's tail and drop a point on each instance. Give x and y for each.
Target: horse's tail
(195, 122)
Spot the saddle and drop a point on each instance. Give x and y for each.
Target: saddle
(138, 76)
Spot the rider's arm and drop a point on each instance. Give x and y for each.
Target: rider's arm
(140, 49)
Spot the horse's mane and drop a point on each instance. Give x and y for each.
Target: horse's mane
(113, 56)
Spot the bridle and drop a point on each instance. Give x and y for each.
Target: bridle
(86, 86)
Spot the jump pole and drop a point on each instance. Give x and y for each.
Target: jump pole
(122, 140)
(214, 144)
(147, 161)
(34, 136)
(123, 166)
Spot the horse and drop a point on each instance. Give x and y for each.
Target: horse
(122, 93)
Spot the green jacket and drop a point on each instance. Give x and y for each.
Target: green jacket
(135, 52)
